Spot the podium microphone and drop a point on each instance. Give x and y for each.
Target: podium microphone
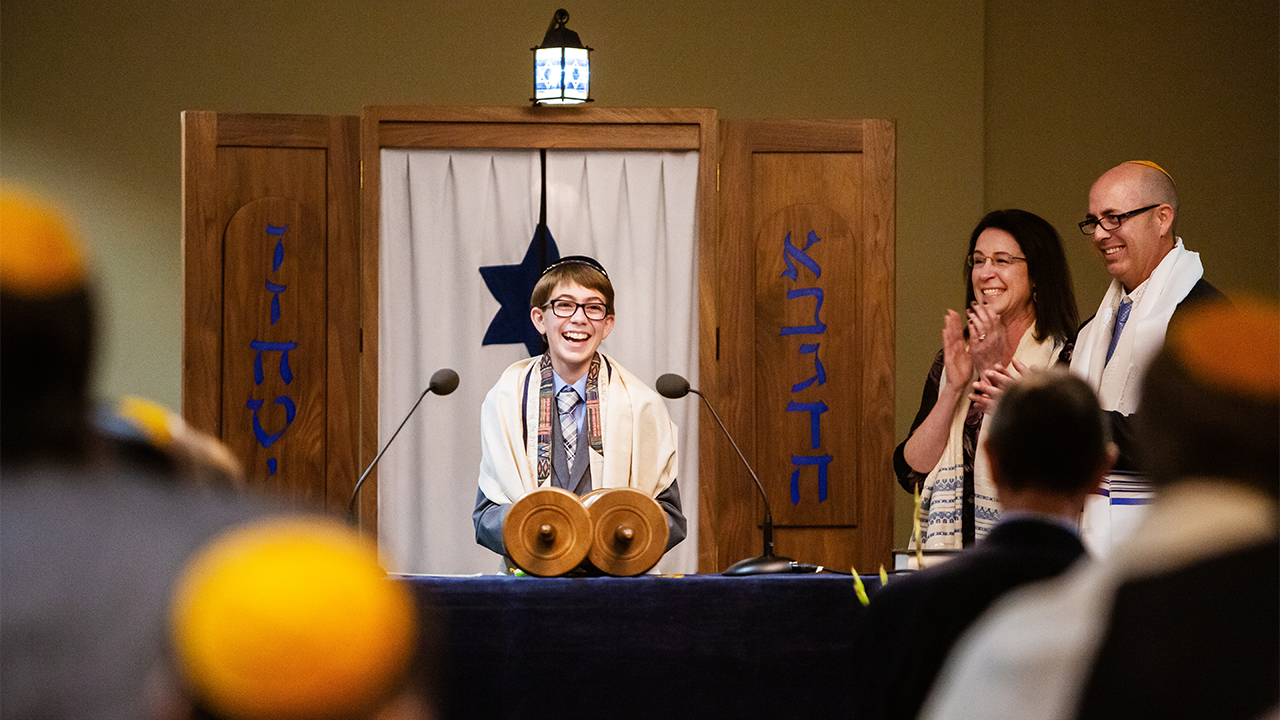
(443, 382)
(674, 386)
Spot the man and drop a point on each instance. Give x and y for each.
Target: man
(1049, 449)
(573, 418)
(291, 617)
(88, 544)
(1132, 221)
(1182, 621)
(46, 338)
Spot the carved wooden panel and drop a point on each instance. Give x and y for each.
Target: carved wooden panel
(271, 305)
(806, 338)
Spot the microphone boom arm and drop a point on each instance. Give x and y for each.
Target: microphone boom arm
(355, 492)
(443, 382)
(768, 516)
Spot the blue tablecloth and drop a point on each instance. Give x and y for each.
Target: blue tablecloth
(700, 646)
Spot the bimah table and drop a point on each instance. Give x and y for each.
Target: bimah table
(698, 646)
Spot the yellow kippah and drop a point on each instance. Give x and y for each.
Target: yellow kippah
(1150, 164)
(291, 618)
(1234, 347)
(39, 256)
(152, 420)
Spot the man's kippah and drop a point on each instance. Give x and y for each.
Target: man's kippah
(577, 260)
(1148, 163)
(291, 618)
(1231, 347)
(40, 257)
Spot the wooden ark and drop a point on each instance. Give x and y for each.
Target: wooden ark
(796, 305)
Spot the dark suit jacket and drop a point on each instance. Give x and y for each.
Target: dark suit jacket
(1123, 426)
(1201, 641)
(913, 621)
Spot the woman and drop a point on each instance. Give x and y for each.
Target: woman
(1020, 308)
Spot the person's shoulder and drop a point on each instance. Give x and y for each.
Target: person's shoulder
(644, 399)
(613, 369)
(516, 370)
(508, 382)
(1201, 292)
(940, 577)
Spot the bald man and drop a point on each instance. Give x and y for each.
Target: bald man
(1132, 221)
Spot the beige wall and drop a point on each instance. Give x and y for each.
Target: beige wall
(990, 101)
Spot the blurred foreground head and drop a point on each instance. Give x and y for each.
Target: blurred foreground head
(292, 619)
(1211, 398)
(145, 435)
(1049, 434)
(46, 335)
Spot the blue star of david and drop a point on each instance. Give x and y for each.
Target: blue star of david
(511, 286)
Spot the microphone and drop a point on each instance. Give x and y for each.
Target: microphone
(443, 382)
(675, 387)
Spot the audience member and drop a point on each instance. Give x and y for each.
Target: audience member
(87, 549)
(290, 619)
(1020, 306)
(146, 436)
(1182, 620)
(1049, 449)
(46, 338)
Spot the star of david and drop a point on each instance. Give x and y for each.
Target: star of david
(511, 286)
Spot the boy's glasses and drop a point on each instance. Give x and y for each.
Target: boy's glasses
(566, 309)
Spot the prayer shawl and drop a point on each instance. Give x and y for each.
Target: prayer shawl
(1111, 513)
(941, 499)
(638, 447)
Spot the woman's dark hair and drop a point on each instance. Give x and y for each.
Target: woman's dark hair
(1052, 294)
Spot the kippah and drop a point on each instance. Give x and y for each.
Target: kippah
(147, 420)
(1150, 164)
(40, 258)
(1233, 348)
(291, 618)
(577, 260)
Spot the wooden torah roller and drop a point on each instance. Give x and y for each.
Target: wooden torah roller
(547, 532)
(628, 531)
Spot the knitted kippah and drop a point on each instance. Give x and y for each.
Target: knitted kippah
(1233, 348)
(40, 257)
(291, 618)
(1150, 164)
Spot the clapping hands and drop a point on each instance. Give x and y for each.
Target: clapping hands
(987, 337)
(991, 384)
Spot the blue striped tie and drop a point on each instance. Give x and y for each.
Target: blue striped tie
(568, 399)
(1122, 316)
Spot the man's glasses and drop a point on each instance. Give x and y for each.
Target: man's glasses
(566, 309)
(999, 261)
(1112, 222)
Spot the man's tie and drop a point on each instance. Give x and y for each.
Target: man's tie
(1122, 316)
(568, 400)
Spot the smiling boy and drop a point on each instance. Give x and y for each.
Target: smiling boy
(573, 418)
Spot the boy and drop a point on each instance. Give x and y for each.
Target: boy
(573, 418)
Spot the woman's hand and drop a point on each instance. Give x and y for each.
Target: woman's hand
(987, 338)
(957, 362)
(990, 386)
(925, 446)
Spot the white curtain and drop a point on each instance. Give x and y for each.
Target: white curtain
(447, 213)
